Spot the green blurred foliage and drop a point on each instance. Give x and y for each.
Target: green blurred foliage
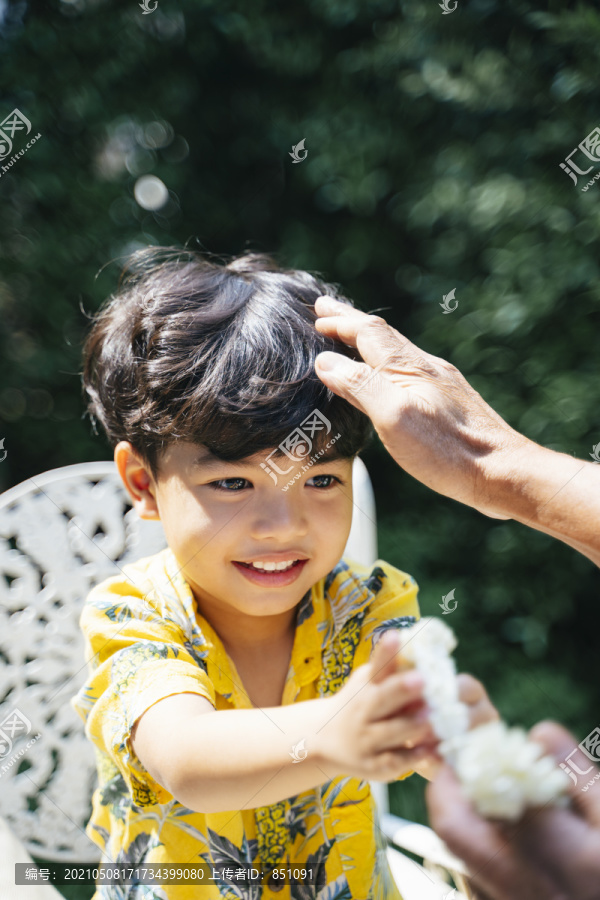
(434, 144)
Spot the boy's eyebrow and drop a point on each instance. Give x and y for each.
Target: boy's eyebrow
(327, 459)
(206, 461)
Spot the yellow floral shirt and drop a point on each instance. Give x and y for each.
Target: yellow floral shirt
(147, 640)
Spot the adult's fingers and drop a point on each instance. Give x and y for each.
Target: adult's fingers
(554, 738)
(496, 865)
(346, 324)
(376, 341)
(329, 306)
(355, 382)
(561, 744)
(472, 692)
(429, 418)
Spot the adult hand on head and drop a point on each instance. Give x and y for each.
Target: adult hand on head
(429, 418)
(552, 853)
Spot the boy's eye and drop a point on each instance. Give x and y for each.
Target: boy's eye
(329, 481)
(223, 484)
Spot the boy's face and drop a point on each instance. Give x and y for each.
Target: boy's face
(219, 518)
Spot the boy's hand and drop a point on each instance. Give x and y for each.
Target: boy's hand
(378, 729)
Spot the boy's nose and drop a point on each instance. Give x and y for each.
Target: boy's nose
(281, 518)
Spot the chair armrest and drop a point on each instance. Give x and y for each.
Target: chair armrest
(416, 883)
(421, 841)
(11, 852)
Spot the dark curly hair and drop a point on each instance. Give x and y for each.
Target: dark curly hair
(218, 353)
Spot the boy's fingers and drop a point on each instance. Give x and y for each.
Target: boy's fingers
(404, 733)
(383, 657)
(401, 693)
(405, 760)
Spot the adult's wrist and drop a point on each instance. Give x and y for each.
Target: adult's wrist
(511, 478)
(547, 490)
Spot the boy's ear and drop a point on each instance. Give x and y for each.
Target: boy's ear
(138, 481)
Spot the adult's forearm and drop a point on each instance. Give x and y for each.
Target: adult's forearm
(240, 759)
(549, 491)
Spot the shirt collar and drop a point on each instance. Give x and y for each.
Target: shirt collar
(321, 614)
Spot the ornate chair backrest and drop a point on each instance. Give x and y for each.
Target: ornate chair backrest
(61, 533)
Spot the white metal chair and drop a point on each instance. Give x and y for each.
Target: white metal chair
(61, 533)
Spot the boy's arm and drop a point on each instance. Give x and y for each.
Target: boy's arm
(217, 760)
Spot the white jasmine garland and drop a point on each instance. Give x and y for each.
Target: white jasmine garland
(501, 771)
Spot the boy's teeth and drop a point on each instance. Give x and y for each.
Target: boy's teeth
(273, 567)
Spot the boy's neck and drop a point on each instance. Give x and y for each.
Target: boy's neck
(251, 635)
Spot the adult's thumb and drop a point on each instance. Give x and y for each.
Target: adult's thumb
(354, 381)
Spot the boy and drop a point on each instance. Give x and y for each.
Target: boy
(197, 370)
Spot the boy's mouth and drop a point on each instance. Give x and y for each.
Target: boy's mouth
(274, 574)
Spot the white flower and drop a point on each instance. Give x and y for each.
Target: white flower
(502, 772)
